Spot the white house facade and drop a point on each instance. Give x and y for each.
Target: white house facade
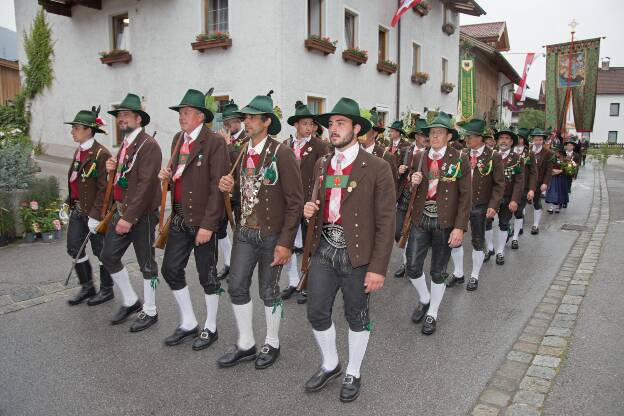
(267, 50)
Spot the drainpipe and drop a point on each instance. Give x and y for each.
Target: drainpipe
(500, 115)
(398, 73)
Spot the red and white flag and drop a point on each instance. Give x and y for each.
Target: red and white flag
(521, 91)
(404, 7)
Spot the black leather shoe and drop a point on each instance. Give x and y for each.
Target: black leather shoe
(143, 321)
(420, 312)
(350, 388)
(564, 206)
(302, 298)
(429, 326)
(104, 295)
(85, 293)
(473, 284)
(514, 244)
(320, 379)
(400, 272)
(234, 356)
(267, 357)
(534, 230)
(298, 250)
(521, 231)
(455, 281)
(179, 335)
(550, 210)
(205, 339)
(500, 259)
(488, 254)
(124, 312)
(288, 292)
(223, 273)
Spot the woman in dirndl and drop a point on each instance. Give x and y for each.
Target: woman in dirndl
(557, 193)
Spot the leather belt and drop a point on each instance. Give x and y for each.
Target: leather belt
(431, 209)
(334, 235)
(120, 208)
(76, 205)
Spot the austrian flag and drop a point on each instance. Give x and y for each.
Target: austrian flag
(405, 6)
(521, 91)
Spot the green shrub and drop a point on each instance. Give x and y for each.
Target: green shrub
(15, 165)
(45, 191)
(7, 218)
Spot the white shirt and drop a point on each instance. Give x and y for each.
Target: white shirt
(299, 143)
(195, 133)
(350, 154)
(259, 147)
(418, 149)
(518, 150)
(537, 149)
(441, 152)
(236, 135)
(87, 145)
(570, 154)
(505, 154)
(133, 135)
(369, 149)
(396, 142)
(479, 151)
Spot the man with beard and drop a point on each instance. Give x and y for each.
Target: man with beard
(308, 148)
(530, 178)
(269, 184)
(136, 196)
(514, 185)
(543, 165)
(369, 143)
(352, 243)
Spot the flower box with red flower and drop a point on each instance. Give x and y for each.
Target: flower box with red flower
(447, 87)
(115, 56)
(448, 28)
(355, 55)
(420, 78)
(320, 43)
(205, 41)
(423, 8)
(387, 66)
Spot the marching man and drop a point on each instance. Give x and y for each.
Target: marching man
(543, 163)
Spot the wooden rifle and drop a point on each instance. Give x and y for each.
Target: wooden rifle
(226, 195)
(163, 229)
(405, 177)
(307, 246)
(107, 214)
(407, 222)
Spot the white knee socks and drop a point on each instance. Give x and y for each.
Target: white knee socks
(518, 223)
(273, 319)
(358, 341)
(244, 321)
(293, 272)
(225, 247)
(404, 255)
(327, 344)
(187, 315)
(477, 262)
(437, 293)
(299, 238)
(501, 241)
(421, 287)
(149, 298)
(122, 281)
(537, 215)
(489, 239)
(212, 308)
(458, 261)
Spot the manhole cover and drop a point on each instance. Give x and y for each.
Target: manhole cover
(575, 227)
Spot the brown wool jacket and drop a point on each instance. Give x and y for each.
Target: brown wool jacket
(279, 206)
(143, 193)
(543, 165)
(454, 197)
(312, 151)
(530, 171)
(234, 148)
(367, 212)
(93, 188)
(488, 188)
(202, 202)
(384, 154)
(514, 188)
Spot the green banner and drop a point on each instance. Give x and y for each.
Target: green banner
(467, 91)
(573, 66)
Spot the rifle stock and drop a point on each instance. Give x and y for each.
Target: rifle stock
(307, 245)
(226, 195)
(407, 221)
(103, 225)
(161, 241)
(165, 187)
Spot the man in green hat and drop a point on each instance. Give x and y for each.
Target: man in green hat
(543, 165)
(86, 181)
(441, 180)
(369, 144)
(200, 159)
(421, 141)
(530, 178)
(397, 142)
(352, 243)
(571, 156)
(269, 184)
(308, 148)
(136, 197)
(514, 186)
(234, 134)
(488, 185)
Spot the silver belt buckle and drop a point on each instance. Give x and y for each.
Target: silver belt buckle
(334, 235)
(120, 208)
(431, 209)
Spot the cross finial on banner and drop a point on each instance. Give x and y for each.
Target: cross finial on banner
(573, 24)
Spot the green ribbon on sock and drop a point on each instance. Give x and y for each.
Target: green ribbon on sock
(278, 302)
(220, 291)
(154, 282)
(369, 327)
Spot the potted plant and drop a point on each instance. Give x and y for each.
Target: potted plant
(422, 8)
(29, 216)
(321, 43)
(448, 28)
(58, 229)
(387, 66)
(213, 40)
(447, 87)
(356, 55)
(420, 77)
(115, 56)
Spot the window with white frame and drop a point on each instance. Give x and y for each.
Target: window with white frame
(415, 58)
(613, 136)
(383, 44)
(614, 109)
(315, 17)
(350, 28)
(444, 70)
(121, 24)
(316, 105)
(216, 16)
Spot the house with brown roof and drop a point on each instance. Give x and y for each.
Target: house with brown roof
(609, 118)
(494, 76)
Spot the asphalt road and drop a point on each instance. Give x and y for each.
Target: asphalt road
(61, 360)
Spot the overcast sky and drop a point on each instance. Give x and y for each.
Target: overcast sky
(531, 24)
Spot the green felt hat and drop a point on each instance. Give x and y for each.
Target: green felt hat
(88, 118)
(348, 108)
(197, 100)
(510, 132)
(421, 123)
(475, 126)
(132, 102)
(398, 126)
(301, 111)
(230, 111)
(263, 104)
(538, 132)
(442, 120)
(524, 132)
(374, 118)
